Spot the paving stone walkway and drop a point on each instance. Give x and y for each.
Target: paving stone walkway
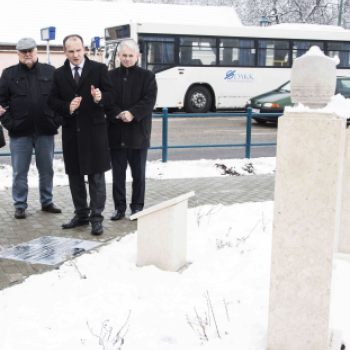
(226, 190)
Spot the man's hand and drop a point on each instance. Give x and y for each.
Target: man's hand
(75, 104)
(126, 116)
(2, 110)
(96, 94)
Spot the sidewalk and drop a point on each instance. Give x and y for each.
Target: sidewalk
(225, 190)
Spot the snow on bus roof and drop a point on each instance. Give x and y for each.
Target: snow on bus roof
(23, 18)
(307, 27)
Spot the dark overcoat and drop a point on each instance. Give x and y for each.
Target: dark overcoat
(136, 92)
(84, 133)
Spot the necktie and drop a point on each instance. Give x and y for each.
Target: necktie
(76, 75)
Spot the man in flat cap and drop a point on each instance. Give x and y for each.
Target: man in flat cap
(24, 90)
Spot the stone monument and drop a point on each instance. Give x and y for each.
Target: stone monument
(162, 234)
(310, 152)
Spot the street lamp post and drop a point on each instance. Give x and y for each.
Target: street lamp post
(48, 34)
(264, 22)
(95, 44)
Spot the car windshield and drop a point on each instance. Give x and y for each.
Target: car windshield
(285, 87)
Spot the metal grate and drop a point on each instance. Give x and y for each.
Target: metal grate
(48, 250)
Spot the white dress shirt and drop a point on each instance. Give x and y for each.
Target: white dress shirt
(81, 65)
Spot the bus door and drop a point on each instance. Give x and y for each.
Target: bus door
(111, 56)
(236, 56)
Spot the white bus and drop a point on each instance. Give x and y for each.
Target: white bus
(205, 68)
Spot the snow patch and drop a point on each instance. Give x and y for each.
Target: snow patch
(338, 105)
(154, 170)
(316, 51)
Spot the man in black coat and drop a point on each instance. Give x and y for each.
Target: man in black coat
(80, 90)
(24, 89)
(129, 127)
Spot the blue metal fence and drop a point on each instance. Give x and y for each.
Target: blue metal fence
(165, 117)
(248, 144)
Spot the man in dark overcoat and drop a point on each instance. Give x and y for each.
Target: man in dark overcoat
(129, 126)
(80, 90)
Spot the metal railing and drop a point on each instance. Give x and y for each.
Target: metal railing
(165, 117)
(248, 143)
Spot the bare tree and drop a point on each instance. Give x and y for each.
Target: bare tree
(290, 11)
(324, 12)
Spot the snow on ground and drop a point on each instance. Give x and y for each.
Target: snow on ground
(51, 311)
(229, 251)
(229, 255)
(155, 170)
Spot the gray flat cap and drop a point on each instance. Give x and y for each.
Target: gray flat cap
(26, 44)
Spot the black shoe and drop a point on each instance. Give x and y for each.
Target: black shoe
(75, 222)
(117, 215)
(51, 208)
(134, 212)
(20, 213)
(96, 228)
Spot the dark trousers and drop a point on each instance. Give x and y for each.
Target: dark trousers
(137, 161)
(97, 191)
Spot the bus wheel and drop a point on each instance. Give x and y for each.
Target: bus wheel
(198, 100)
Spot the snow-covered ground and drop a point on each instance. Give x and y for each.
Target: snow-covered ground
(51, 311)
(229, 252)
(155, 170)
(229, 256)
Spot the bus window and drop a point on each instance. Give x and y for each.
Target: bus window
(237, 52)
(159, 53)
(343, 86)
(196, 51)
(301, 47)
(273, 53)
(342, 50)
(119, 32)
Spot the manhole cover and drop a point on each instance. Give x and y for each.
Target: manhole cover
(48, 250)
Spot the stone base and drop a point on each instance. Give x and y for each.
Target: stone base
(162, 234)
(306, 224)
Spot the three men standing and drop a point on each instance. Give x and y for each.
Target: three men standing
(80, 89)
(130, 123)
(24, 90)
(81, 92)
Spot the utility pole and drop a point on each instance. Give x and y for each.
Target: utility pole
(340, 12)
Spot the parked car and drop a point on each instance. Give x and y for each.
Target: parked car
(274, 101)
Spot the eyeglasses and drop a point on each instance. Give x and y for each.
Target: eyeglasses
(25, 51)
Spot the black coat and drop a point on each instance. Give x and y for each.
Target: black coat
(84, 133)
(136, 90)
(25, 92)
